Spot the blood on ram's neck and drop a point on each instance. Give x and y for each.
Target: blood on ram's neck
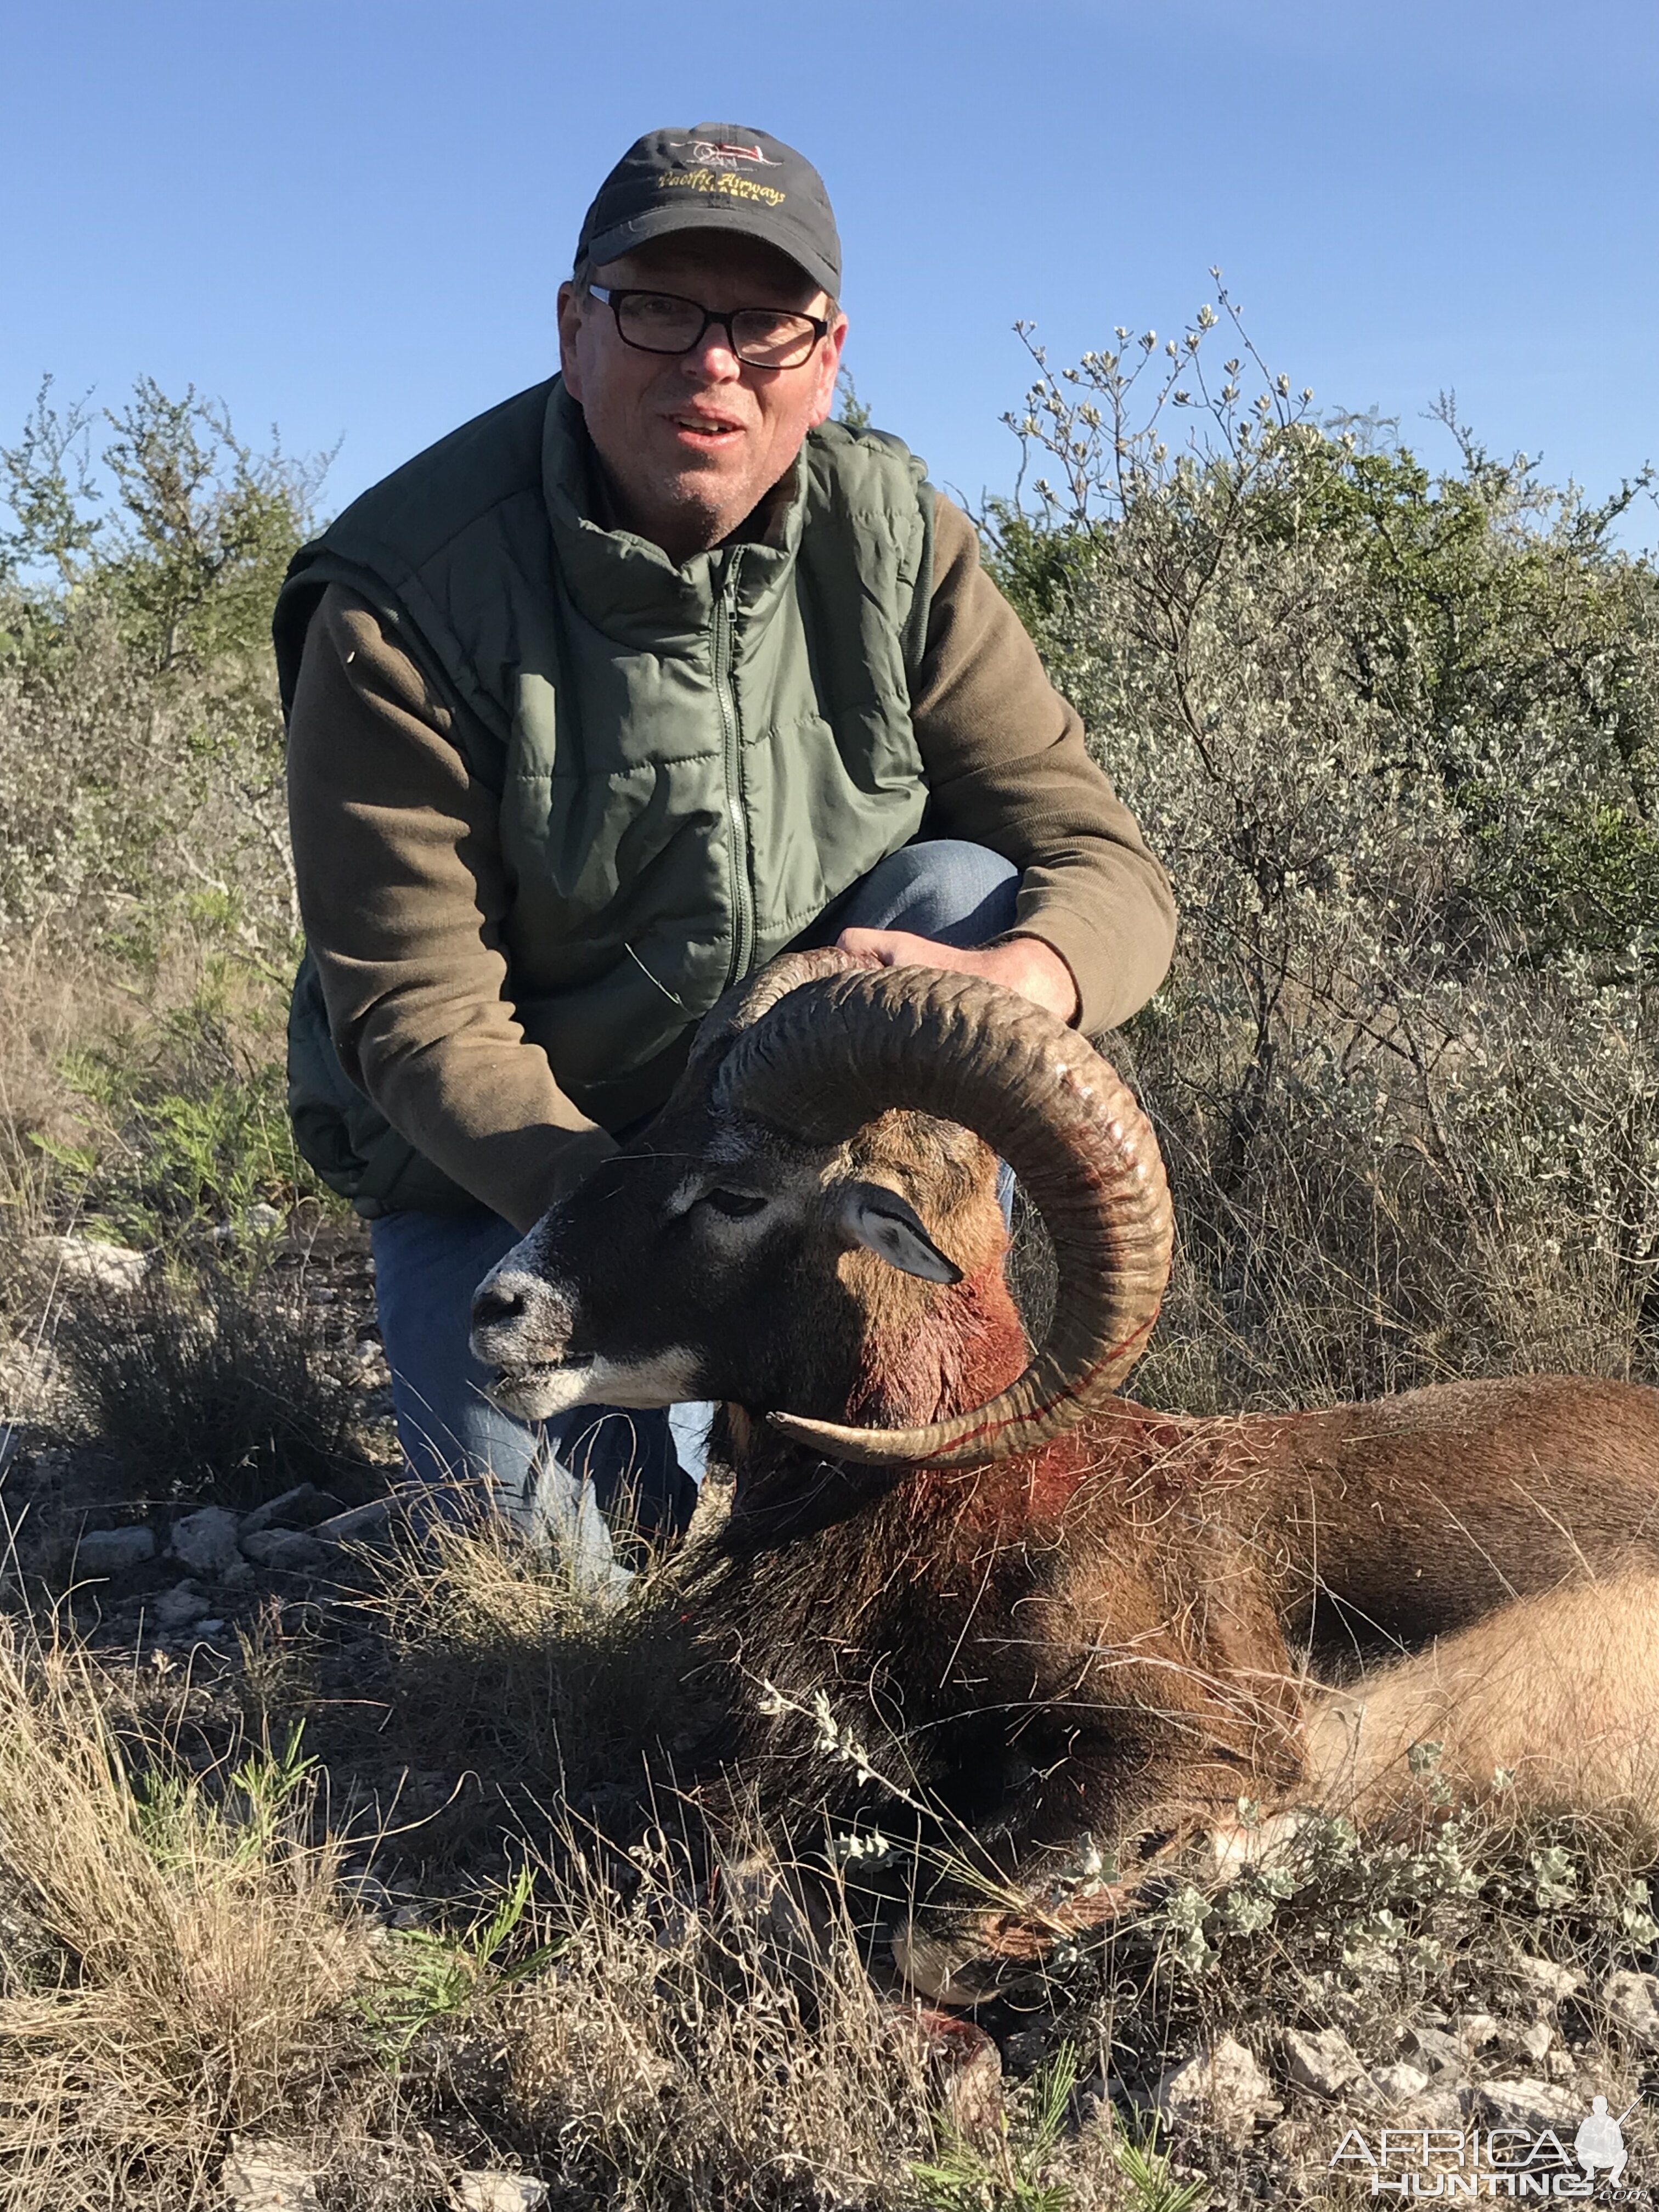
(965, 1346)
(925, 1360)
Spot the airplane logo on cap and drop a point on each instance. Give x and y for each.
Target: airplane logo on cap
(723, 156)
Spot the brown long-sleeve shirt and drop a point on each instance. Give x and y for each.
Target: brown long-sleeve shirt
(403, 888)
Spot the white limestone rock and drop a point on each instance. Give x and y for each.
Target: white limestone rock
(1529, 2104)
(181, 1606)
(264, 2174)
(360, 1524)
(500, 2192)
(1474, 2030)
(1545, 1983)
(1222, 2083)
(1440, 2107)
(1437, 2053)
(1398, 2084)
(285, 1551)
(302, 1507)
(1633, 2003)
(88, 1263)
(1324, 2062)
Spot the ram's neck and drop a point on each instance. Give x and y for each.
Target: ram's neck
(924, 1358)
(783, 1491)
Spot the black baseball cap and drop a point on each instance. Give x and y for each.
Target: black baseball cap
(715, 176)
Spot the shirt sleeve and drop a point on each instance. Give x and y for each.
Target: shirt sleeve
(1007, 768)
(403, 894)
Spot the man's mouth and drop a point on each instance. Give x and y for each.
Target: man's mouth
(706, 430)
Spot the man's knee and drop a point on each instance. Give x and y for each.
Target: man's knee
(941, 887)
(629, 1461)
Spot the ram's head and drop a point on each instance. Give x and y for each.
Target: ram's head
(818, 1199)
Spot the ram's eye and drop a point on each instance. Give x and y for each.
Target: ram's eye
(733, 1203)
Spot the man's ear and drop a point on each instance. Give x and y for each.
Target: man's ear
(889, 1225)
(570, 317)
(829, 371)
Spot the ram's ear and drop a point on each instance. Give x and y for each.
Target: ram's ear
(889, 1226)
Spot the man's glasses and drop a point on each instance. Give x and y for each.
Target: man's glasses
(662, 322)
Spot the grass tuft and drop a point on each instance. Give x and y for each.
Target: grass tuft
(203, 1956)
(209, 1383)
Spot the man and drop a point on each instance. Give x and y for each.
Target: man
(608, 698)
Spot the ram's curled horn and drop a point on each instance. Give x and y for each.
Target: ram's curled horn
(840, 1050)
(742, 1007)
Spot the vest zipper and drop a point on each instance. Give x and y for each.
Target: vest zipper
(743, 904)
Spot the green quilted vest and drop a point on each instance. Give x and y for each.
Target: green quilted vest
(692, 761)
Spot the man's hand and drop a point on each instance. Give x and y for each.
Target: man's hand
(1024, 964)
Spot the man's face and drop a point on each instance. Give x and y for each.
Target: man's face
(692, 441)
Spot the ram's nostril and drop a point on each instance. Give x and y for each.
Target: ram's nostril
(496, 1303)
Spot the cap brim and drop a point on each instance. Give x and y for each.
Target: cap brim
(682, 213)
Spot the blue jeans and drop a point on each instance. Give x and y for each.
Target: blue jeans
(564, 1480)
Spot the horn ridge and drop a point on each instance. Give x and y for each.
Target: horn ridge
(748, 1002)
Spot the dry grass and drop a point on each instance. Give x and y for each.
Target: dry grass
(59, 1001)
(186, 1957)
(205, 1957)
(687, 2053)
(525, 1695)
(209, 1382)
(196, 1946)
(49, 1003)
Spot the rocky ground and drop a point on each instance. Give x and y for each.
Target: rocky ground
(267, 2175)
(1294, 2116)
(141, 1557)
(1300, 2112)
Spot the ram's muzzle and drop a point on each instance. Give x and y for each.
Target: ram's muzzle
(522, 1326)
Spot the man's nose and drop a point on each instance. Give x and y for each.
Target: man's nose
(711, 360)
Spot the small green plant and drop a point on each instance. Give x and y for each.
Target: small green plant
(1146, 2170)
(178, 1815)
(1007, 2168)
(431, 1977)
(186, 1129)
(269, 1782)
(1555, 1878)
(163, 1806)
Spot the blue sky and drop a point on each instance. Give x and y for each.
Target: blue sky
(349, 218)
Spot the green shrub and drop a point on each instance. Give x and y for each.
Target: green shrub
(1396, 737)
(182, 1129)
(141, 747)
(144, 868)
